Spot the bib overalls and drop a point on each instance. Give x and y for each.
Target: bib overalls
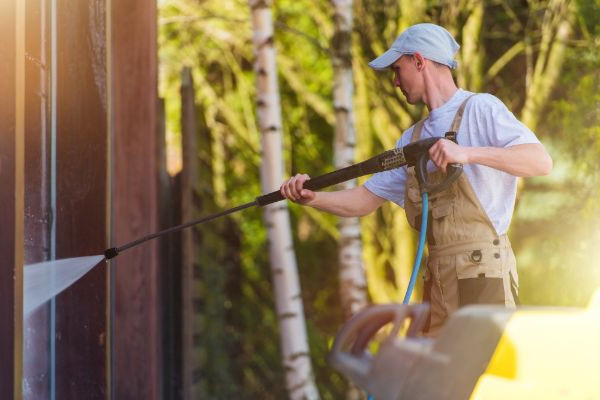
(468, 263)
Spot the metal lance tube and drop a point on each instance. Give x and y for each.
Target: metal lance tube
(415, 154)
(387, 160)
(114, 251)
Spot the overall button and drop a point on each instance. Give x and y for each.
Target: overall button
(497, 255)
(496, 242)
(476, 256)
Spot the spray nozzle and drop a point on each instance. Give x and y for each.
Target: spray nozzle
(111, 253)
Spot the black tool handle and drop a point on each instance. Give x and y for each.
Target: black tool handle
(387, 160)
(453, 171)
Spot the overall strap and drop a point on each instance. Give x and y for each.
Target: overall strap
(416, 133)
(458, 117)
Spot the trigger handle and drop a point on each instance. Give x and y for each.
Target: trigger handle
(453, 171)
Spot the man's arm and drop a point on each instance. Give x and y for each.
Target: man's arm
(523, 160)
(355, 202)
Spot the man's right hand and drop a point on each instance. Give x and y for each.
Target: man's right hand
(293, 189)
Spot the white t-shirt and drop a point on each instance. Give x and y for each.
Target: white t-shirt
(486, 122)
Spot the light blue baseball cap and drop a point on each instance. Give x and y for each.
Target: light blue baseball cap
(432, 41)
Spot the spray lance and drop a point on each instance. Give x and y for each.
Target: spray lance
(414, 154)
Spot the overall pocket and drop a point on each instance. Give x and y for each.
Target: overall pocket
(481, 278)
(443, 227)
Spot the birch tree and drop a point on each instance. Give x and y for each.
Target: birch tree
(294, 343)
(353, 285)
(381, 116)
(351, 274)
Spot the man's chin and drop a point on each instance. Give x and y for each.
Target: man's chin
(410, 100)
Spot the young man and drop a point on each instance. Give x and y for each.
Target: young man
(470, 258)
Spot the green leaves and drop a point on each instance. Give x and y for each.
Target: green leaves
(514, 50)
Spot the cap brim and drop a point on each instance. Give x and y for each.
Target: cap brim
(385, 60)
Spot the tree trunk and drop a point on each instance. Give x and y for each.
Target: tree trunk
(352, 277)
(294, 343)
(472, 53)
(556, 30)
(469, 74)
(353, 285)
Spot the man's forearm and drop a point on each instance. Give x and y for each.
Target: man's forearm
(355, 202)
(521, 160)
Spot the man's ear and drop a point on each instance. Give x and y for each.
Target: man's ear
(419, 60)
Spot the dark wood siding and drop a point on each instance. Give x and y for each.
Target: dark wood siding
(136, 290)
(81, 223)
(37, 194)
(9, 282)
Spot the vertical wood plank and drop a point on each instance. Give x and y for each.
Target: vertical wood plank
(11, 197)
(36, 198)
(81, 171)
(189, 177)
(11, 254)
(18, 193)
(136, 322)
(170, 273)
(9, 271)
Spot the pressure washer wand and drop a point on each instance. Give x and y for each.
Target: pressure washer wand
(387, 160)
(415, 153)
(114, 251)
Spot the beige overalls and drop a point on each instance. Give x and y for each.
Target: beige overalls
(468, 263)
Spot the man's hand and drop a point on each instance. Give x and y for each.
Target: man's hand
(529, 159)
(293, 189)
(445, 152)
(355, 202)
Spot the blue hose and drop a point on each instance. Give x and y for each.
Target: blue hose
(417, 264)
(422, 236)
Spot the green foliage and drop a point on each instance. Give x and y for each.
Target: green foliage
(557, 221)
(554, 230)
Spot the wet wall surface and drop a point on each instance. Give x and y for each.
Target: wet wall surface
(77, 124)
(105, 327)
(81, 187)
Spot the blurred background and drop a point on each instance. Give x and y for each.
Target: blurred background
(125, 117)
(539, 57)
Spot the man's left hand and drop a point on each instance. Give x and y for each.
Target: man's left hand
(445, 152)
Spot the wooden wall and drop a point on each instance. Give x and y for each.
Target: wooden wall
(11, 200)
(136, 275)
(105, 329)
(37, 218)
(81, 196)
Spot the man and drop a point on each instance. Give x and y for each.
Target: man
(470, 258)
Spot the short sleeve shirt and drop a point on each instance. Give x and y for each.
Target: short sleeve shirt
(486, 122)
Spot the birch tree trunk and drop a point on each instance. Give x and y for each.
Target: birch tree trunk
(353, 285)
(351, 274)
(294, 343)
